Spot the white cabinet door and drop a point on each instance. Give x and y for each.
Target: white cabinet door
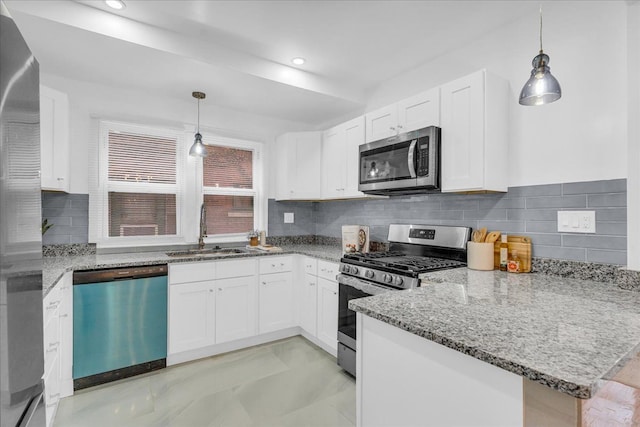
(276, 309)
(328, 312)
(334, 163)
(191, 316)
(308, 304)
(419, 111)
(66, 335)
(54, 139)
(382, 123)
(354, 138)
(474, 118)
(341, 159)
(235, 308)
(298, 157)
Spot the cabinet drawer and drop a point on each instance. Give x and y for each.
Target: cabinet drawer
(310, 265)
(51, 342)
(51, 392)
(191, 272)
(327, 270)
(51, 303)
(275, 264)
(235, 268)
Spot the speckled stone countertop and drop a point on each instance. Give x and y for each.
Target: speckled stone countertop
(567, 334)
(55, 267)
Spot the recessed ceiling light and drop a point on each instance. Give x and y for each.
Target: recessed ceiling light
(298, 61)
(115, 4)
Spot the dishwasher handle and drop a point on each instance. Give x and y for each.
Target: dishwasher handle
(124, 273)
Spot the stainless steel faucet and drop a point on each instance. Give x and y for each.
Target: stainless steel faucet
(203, 226)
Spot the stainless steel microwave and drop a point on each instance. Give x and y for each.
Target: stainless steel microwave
(408, 163)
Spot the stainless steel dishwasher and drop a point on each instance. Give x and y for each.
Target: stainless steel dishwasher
(119, 323)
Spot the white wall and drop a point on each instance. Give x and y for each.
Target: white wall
(89, 101)
(581, 137)
(633, 181)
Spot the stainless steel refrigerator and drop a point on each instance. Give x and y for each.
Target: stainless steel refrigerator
(21, 345)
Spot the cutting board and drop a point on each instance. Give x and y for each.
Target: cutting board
(522, 244)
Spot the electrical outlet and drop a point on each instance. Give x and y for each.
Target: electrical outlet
(288, 217)
(577, 221)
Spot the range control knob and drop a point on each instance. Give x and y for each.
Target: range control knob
(346, 268)
(398, 281)
(354, 270)
(387, 278)
(369, 274)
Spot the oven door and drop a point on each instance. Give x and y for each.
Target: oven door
(351, 288)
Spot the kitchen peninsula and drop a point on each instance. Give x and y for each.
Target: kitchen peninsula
(482, 348)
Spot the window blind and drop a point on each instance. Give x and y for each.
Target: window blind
(229, 172)
(142, 184)
(141, 158)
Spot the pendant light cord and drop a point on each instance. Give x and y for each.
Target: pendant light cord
(198, 116)
(540, 28)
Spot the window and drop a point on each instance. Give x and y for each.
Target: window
(145, 190)
(229, 190)
(138, 193)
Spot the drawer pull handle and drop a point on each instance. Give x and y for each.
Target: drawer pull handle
(312, 284)
(220, 289)
(273, 265)
(64, 315)
(335, 293)
(264, 283)
(210, 290)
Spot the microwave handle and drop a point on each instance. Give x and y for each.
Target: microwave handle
(411, 159)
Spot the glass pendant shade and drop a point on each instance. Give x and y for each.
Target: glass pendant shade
(542, 87)
(198, 149)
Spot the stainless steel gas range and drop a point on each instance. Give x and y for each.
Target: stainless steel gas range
(414, 250)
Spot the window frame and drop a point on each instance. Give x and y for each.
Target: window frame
(99, 212)
(257, 191)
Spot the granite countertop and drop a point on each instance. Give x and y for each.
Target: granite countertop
(567, 334)
(55, 267)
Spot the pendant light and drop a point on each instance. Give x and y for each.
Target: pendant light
(198, 149)
(542, 87)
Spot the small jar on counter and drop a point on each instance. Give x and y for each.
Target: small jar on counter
(513, 265)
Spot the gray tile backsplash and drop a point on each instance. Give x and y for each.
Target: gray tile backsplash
(69, 214)
(530, 210)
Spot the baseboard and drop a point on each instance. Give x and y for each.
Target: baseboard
(212, 350)
(321, 344)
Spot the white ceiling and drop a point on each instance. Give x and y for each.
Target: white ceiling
(239, 52)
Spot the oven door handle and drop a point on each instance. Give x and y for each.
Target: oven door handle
(362, 285)
(411, 161)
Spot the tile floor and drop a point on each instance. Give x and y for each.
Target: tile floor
(289, 382)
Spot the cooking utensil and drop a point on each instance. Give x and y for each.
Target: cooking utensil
(483, 234)
(492, 237)
(475, 236)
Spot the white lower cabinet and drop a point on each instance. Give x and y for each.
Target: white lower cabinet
(58, 344)
(191, 314)
(219, 306)
(235, 308)
(275, 302)
(308, 305)
(328, 312)
(318, 302)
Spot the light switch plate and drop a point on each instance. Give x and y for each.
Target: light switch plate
(288, 217)
(577, 221)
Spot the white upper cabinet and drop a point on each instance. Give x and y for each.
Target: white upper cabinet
(474, 114)
(340, 159)
(412, 113)
(54, 140)
(298, 157)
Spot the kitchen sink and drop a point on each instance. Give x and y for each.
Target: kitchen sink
(209, 252)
